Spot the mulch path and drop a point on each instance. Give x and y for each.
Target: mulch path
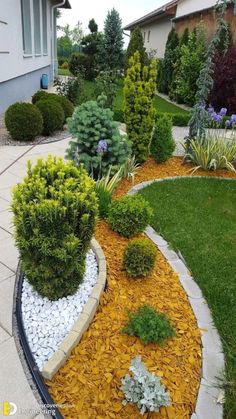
(90, 380)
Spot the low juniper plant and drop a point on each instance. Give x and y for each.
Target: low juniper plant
(144, 388)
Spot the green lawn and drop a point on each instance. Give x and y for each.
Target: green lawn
(64, 72)
(198, 217)
(160, 104)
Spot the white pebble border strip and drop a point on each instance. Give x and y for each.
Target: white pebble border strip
(59, 358)
(47, 322)
(213, 363)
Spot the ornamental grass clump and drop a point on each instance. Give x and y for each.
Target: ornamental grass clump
(55, 211)
(104, 189)
(139, 257)
(98, 144)
(129, 215)
(144, 389)
(149, 325)
(217, 148)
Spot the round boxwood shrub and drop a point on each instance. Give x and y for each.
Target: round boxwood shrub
(23, 121)
(53, 115)
(67, 106)
(139, 257)
(129, 215)
(65, 103)
(55, 211)
(40, 94)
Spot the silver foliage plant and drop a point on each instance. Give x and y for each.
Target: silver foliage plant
(144, 388)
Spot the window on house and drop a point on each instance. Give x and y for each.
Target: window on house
(44, 22)
(26, 24)
(144, 36)
(149, 32)
(37, 27)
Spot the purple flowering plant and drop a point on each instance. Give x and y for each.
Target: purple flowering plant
(102, 147)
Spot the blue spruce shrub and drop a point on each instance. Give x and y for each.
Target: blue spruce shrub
(98, 144)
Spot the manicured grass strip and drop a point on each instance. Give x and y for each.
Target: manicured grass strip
(64, 72)
(198, 217)
(163, 106)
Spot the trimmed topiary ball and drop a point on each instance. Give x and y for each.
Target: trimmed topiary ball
(40, 94)
(129, 215)
(139, 257)
(23, 121)
(67, 106)
(163, 144)
(55, 211)
(53, 115)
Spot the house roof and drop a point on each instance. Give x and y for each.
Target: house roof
(156, 14)
(66, 5)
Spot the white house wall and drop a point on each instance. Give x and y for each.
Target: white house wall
(189, 6)
(159, 31)
(13, 63)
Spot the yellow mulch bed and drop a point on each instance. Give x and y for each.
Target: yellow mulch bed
(91, 378)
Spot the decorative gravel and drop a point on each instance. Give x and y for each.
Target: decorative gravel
(48, 322)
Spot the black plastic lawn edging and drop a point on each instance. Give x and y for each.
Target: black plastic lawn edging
(36, 375)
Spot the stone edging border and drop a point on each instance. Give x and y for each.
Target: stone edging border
(212, 352)
(59, 358)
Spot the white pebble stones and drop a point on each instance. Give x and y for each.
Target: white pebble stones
(48, 322)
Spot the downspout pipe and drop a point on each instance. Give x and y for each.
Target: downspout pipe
(55, 6)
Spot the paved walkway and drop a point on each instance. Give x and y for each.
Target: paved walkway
(14, 386)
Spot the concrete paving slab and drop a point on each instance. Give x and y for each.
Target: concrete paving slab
(8, 180)
(5, 161)
(19, 169)
(3, 233)
(6, 193)
(5, 272)
(14, 386)
(6, 221)
(6, 304)
(9, 254)
(4, 205)
(4, 335)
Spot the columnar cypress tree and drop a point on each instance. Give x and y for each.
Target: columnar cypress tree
(183, 41)
(139, 92)
(112, 48)
(205, 80)
(169, 61)
(136, 43)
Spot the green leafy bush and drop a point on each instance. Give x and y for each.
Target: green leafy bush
(193, 55)
(149, 325)
(40, 94)
(23, 121)
(71, 88)
(139, 111)
(98, 144)
(80, 63)
(107, 84)
(166, 67)
(144, 388)
(163, 144)
(139, 257)
(129, 215)
(53, 115)
(55, 211)
(119, 115)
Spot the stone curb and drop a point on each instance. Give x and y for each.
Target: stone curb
(212, 352)
(58, 359)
